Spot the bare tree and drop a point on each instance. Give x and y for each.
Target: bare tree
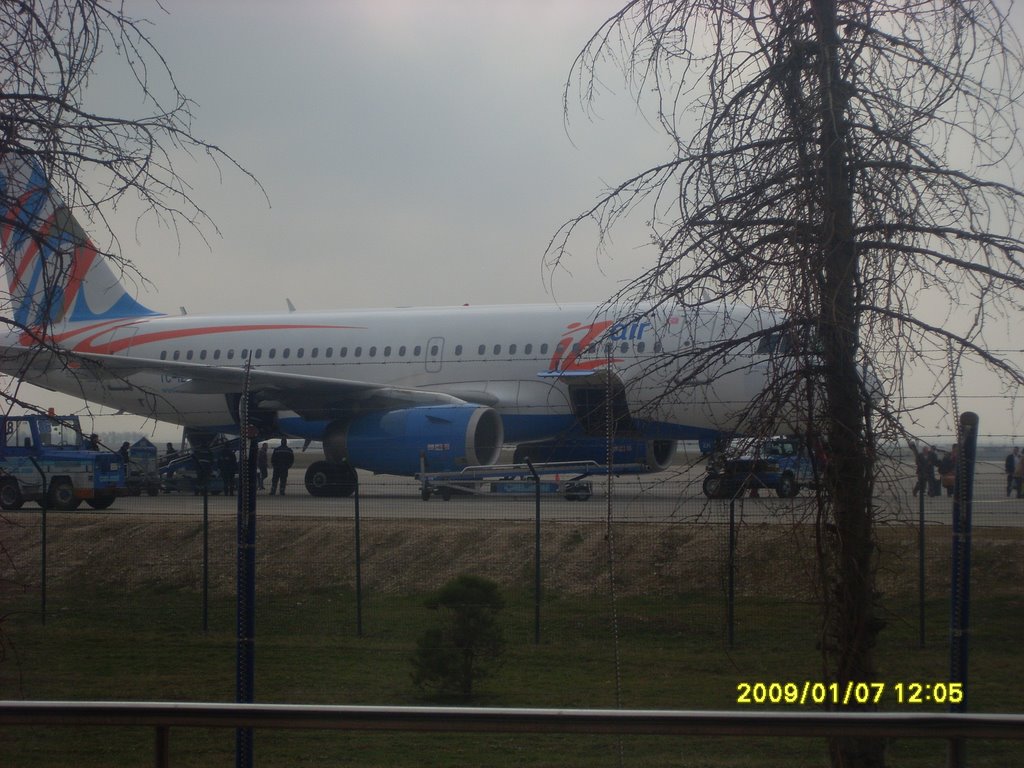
(844, 167)
(50, 51)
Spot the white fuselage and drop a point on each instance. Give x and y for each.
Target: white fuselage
(512, 373)
(521, 360)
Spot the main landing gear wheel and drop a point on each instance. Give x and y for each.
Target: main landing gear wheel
(326, 479)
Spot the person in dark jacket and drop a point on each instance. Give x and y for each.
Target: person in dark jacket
(1011, 465)
(227, 465)
(947, 471)
(925, 463)
(281, 461)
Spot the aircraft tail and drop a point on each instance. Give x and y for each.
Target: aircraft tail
(54, 273)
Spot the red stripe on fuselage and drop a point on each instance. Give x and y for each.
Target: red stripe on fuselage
(37, 335)
(113, 347)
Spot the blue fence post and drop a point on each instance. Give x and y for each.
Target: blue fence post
(920, 567)
(359, 564)
(960, 593)
(206, 556)
(245, 671)
(731, 598)
(536, 553)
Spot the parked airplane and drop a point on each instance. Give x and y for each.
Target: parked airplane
(395, 391)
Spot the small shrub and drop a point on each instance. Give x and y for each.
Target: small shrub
(469, 642)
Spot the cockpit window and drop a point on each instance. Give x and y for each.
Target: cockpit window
(778, 343)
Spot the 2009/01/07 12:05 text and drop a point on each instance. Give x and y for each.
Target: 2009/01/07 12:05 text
(808, 692)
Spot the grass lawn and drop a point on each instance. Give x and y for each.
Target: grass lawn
(662, 661)
(124, 623)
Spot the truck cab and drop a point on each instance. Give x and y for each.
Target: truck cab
(44, 458)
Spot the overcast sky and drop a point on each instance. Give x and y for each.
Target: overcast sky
(413, 152)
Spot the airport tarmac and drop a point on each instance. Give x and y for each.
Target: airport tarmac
(671, 496)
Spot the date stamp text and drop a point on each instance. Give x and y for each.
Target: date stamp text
(844, 694)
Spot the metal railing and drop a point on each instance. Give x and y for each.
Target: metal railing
(162, 716)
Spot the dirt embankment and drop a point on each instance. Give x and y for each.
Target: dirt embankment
(299, 554)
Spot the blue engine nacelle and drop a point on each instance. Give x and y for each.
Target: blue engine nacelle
(447, 437)
(633, 456)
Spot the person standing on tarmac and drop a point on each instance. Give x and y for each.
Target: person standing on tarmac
(281, 460)
(1011, 464)
(262, 466)
(228, 466)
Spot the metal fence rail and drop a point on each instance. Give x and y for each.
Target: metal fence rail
(166, 715)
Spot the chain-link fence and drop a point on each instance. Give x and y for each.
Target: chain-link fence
(646, 595)
(645, 551)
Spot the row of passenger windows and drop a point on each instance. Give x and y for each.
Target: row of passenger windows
(390, 352)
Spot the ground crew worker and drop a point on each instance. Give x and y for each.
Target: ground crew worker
(281, 461)
(262, 466)
(1011, 466)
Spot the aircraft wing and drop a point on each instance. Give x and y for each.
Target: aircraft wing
(312, 397)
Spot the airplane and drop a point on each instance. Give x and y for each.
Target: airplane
(393, 391)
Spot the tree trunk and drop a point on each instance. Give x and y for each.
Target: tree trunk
(850, 627)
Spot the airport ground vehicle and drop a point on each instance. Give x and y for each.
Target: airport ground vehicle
(205, 467)
(779, 463)
(44, 458)
(142, 470)
(512, 479)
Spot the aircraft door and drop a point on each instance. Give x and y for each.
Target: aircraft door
(434, 352)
